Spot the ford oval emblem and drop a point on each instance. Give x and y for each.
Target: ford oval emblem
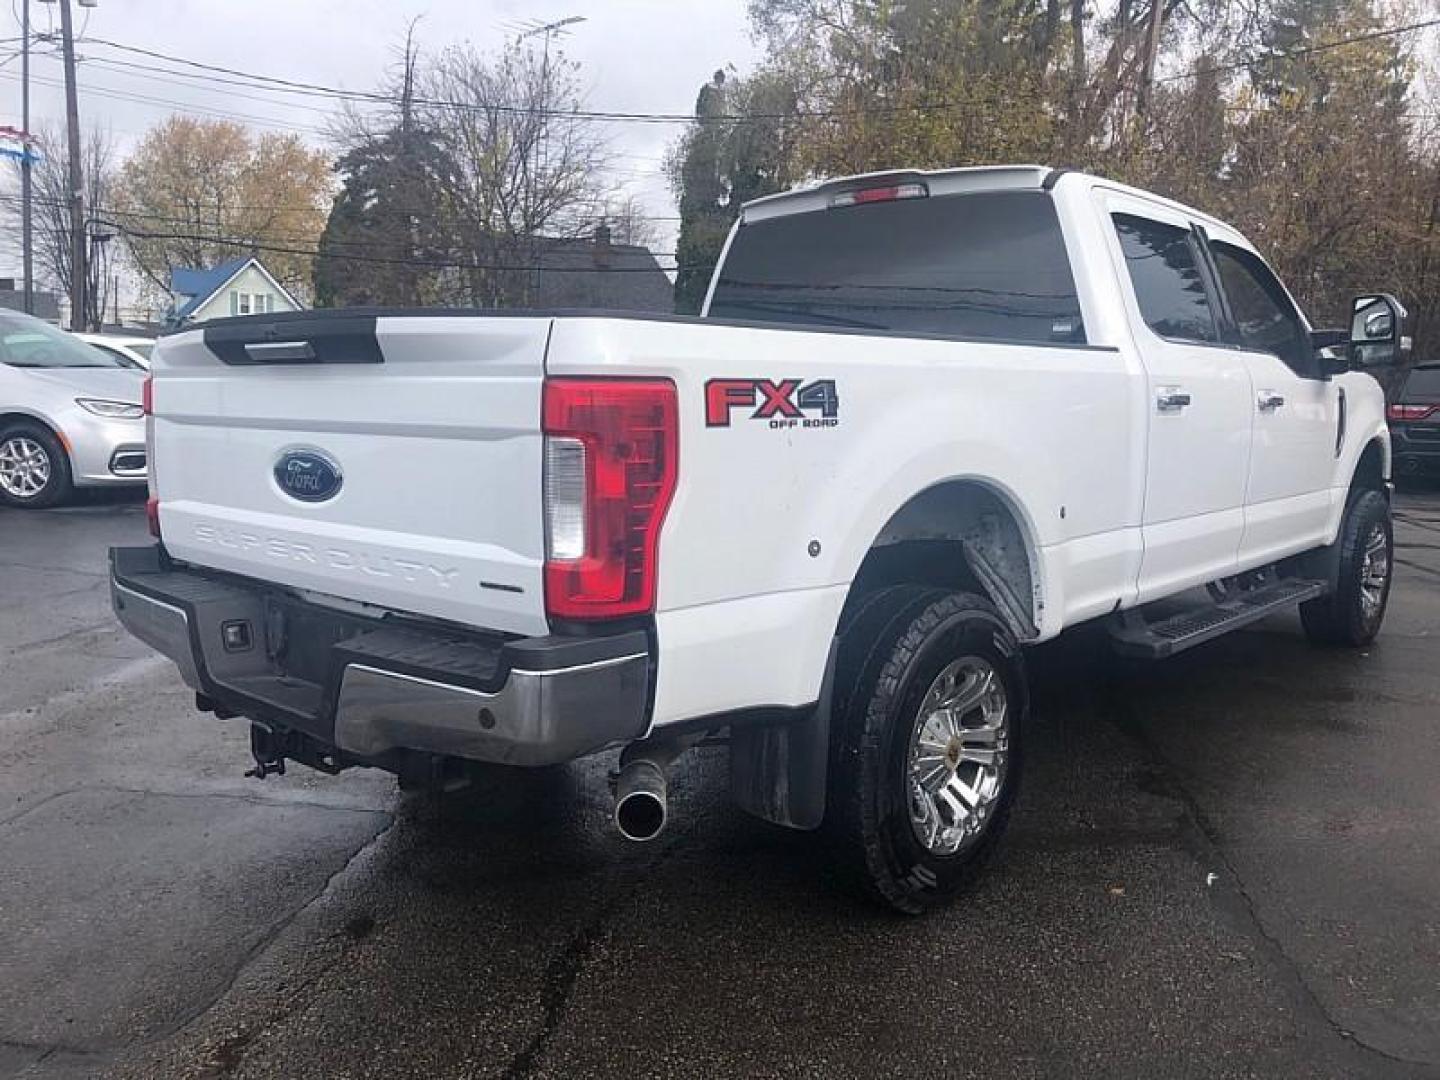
(308, 475)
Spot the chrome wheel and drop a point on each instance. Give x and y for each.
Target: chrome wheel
(25, 467)
(1374, 573)
(958, 753)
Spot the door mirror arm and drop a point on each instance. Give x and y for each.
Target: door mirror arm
(1332, 350)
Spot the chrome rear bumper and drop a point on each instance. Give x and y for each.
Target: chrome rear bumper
(374, 690)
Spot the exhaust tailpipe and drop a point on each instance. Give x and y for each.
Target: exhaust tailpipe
(641, 805)
(640, 809)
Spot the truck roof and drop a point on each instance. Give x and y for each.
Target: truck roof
(950, 182)
(939, 181)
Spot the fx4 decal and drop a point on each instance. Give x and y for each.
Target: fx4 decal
(782, 404)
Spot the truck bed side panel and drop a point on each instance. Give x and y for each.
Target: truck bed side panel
(770, 522)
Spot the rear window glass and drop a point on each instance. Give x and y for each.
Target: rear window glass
(1166, 276)
(1422, 385)
(990, 266)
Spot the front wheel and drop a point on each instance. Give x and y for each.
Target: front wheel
(931, 697)
(34, 469)
(1352, 612)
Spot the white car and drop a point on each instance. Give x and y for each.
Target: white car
(70, 415)
(133, 351)
(928, 420)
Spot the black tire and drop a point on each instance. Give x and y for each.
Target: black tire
(892, 648)
(59, 486)
(1345, 617)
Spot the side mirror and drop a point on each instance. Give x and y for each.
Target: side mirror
(1377, 332)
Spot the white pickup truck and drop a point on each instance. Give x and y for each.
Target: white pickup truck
(927, 419)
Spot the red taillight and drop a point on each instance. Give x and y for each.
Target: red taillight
(890, 193)
(1411, 412)
(611, 450)
(152, 504)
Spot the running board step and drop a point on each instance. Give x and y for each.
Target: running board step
(1133, 636)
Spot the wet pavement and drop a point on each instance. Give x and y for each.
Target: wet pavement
(1226, 865)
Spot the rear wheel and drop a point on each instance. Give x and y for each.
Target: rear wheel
(931, 698)
(1354, 609)
(34, 468)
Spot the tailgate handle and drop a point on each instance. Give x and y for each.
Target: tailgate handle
(280, 351)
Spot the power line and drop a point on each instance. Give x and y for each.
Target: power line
(277, 208)
(292, 86)
(275, 84)
(114, 94)
(198, 82)
(1373, 35)
(438, 264)
(272, 85)
(273, 123)
(169, 105)
(288, 240)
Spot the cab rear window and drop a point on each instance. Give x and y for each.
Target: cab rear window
(987, 266)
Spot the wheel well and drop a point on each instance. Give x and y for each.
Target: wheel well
(26, 418)
(1370, 472)
(961, 534)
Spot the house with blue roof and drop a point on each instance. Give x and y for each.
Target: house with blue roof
(238, 287)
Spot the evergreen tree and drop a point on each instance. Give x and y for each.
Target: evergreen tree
(737, 151)
(704, 212)
(384, 243)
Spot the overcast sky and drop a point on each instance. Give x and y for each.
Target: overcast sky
(637, 56)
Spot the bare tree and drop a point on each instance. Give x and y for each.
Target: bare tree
(50, 198)
(526, 168)
(629, 223)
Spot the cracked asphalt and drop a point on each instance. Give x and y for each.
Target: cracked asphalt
(1226, 865)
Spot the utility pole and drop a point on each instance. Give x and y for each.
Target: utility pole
(1152, 55)
(97, 278)
(26, 244)
(77, 189)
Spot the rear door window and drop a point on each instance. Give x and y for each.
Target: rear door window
(1164, 267)
(989, 266)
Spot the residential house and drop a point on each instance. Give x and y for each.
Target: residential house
(597, 273)
(239, 287)
(44, 304)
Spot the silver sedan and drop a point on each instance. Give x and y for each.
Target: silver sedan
(70, 415)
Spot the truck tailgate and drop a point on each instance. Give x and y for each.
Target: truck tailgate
(426, 427)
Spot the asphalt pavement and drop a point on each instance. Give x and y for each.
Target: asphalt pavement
(1224, 865)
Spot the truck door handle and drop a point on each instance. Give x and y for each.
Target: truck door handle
(280, 352)
(1170, 399)
(1269, 401)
